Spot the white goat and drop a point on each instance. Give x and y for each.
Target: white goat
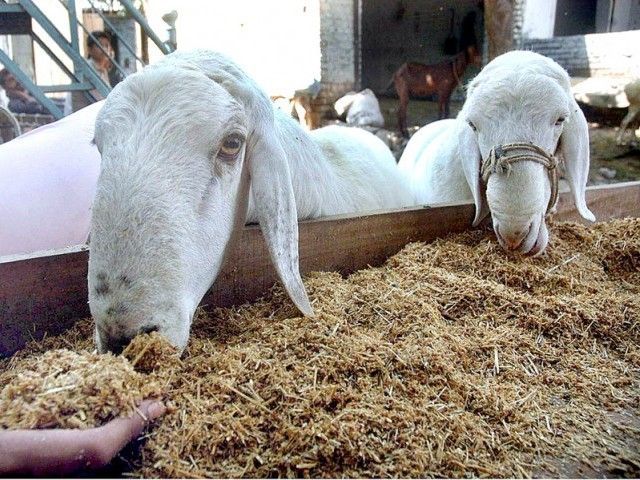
(632, 91)
(519, 112)
(363, 109)
(183, 143)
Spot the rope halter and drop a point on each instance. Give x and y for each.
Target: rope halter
(499, 161)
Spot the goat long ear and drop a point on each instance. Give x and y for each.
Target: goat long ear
(276, 208)
(468, 152)
(574, 146)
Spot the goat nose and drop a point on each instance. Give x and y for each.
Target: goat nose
(513, 238)
(117, 343)
(113, 344)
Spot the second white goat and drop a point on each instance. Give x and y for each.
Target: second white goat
(632, 91)
(184, 144)
(362, 109)
(502, 150)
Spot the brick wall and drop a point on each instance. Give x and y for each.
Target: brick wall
(338, 56)
(337, 41)
(26, 121)
(600, 54)
(30, 121)
(518, 22)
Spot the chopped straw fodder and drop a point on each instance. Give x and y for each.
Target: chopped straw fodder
(452, 359)
(61, 388)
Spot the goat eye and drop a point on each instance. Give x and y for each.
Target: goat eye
(231, 146)
(560, 120)
(473, 127)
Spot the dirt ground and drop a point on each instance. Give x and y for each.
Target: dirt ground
(610, 162)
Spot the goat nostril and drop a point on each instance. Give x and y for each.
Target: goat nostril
(513, 239)
(149, 329)
(116, 345)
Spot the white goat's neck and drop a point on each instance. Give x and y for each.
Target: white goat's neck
(319, 184)
(445, 181)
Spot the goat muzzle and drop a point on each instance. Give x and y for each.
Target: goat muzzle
(501, 157)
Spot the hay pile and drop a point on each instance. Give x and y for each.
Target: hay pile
(65, 389)
(152, 353)
(453, 359)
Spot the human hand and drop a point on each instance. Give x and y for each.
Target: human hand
(25, 95)
(58, 452)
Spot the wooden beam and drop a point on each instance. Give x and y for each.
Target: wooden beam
(41, 294)
(498, 21)
(46, 292)
(341, 243)
(618, 200)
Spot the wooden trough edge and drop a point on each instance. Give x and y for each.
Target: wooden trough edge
(46, 293)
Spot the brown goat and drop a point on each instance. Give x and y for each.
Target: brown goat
(417, 79)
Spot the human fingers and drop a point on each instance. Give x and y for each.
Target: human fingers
(113, 436)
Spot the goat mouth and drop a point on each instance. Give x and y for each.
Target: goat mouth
(531, 245)
(537, 248)
(512, 246)
(540, 243)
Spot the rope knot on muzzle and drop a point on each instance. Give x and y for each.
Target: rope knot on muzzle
(501, 157)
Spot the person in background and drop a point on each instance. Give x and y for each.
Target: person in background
(20, 100)
(102, 62)
(100, 56)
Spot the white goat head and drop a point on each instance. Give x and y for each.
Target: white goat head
(181, 144)
(521, 106)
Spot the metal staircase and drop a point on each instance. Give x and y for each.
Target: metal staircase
(18, 17)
